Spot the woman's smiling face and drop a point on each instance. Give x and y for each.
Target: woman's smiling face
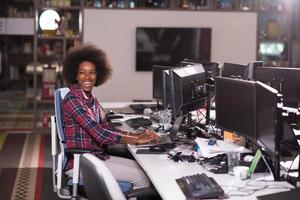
(86, 76)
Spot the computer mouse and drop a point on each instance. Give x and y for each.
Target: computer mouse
(110, 112)
(115, 124)
(248, 158)
(157, 149)
(140, 128)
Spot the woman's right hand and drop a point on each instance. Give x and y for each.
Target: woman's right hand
(146, 137)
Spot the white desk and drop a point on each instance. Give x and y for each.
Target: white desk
(162, 172)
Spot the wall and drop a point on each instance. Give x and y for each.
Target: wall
(11, 26)
(233, 40)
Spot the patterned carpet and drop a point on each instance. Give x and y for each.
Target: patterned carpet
(25, 167)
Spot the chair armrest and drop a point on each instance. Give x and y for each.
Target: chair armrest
(110, 117)
(143, 192)
(78, 151)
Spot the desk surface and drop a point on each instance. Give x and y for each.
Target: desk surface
(162, 171)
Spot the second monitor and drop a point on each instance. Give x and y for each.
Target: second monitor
(188, 89)
(160, 84)
(251, 109)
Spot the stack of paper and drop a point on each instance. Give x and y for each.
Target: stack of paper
(220, 147)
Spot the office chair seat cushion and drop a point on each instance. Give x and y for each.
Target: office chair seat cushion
(124, 185)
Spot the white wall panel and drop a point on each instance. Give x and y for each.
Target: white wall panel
(233, 40)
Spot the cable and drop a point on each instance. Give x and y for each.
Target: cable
(267, 164)
(253, 186)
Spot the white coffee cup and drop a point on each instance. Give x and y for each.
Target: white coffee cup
(241, 172)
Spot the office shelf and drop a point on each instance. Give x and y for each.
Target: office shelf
(50, 50)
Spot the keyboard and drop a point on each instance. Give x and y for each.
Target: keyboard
(138, 122)
(139, 108)
(200, 186)
(165, 141)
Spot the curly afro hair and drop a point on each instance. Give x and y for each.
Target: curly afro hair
(86, 53)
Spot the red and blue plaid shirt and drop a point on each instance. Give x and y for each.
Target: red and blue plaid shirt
(85, 125)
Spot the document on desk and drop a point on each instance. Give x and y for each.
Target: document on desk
(290, 165)
(219, 147)
(297, 132)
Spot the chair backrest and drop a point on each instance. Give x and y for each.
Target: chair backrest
(59, 95)
(98, 180)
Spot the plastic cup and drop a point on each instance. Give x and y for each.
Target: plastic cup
(233, 161)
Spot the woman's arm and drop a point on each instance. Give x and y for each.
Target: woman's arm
(142, 138)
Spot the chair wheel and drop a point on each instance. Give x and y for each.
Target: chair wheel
(74, 198)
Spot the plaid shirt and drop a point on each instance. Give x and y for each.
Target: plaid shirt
(84, 124)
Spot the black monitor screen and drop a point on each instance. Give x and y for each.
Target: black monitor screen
(158, 81)
(235, 106)
(233, 70)
(266, 115)
(169, 46)
(285, 80)
(167, 100)
(251, 69)
(187, 89)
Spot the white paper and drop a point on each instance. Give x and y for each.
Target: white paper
(290, 165)
(220, 147)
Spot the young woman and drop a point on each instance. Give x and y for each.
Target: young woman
(84, 120)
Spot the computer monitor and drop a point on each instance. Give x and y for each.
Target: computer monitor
(233, 70)
(211, 68)
(167, 100)
(159, 82)
(274, 133)
(170, 45)
(267, 116)
(235, 106)
(285, 80)
(251, 67)
(188, 90)
(254, 114)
